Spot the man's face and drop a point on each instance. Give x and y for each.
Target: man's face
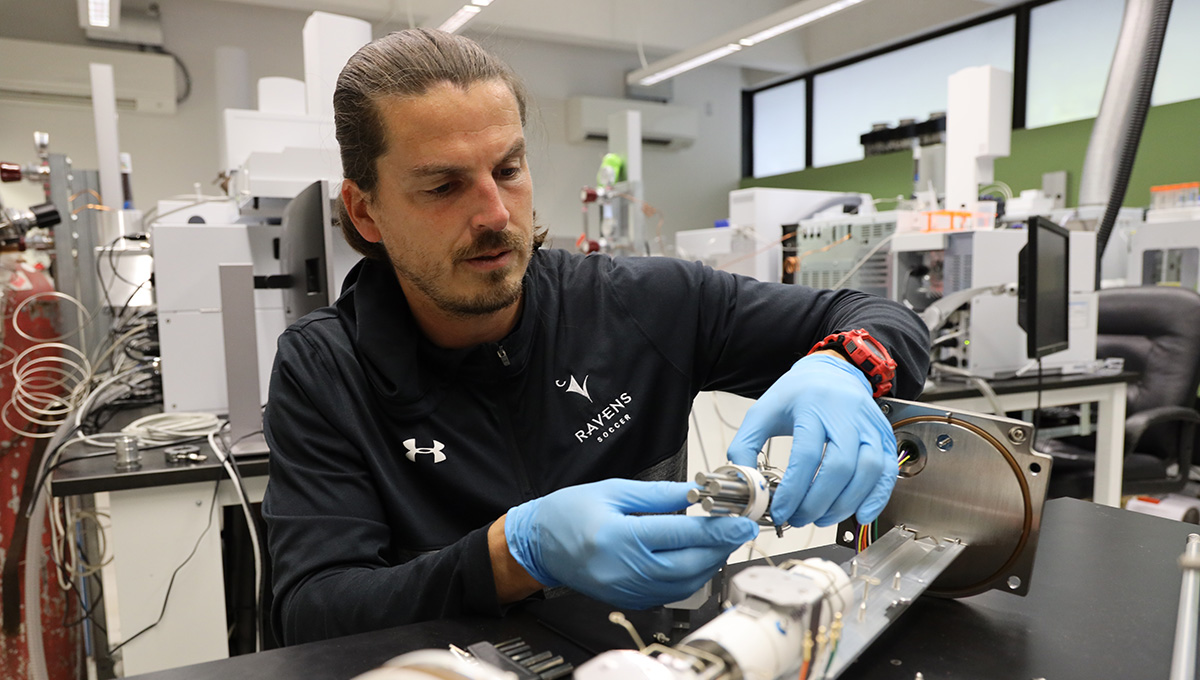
(454, 200)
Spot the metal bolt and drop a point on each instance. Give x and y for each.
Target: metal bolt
(1016, 435)
(944, 442)
(886, 408)
(199, 503)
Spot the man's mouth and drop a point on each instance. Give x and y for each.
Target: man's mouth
(489, 256)
(492, 259)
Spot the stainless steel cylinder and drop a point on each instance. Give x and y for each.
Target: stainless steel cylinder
(129, 456)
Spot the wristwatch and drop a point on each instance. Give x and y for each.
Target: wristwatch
(865, 352)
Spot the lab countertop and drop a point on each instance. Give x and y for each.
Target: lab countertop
(1102, 603)
(80, 475)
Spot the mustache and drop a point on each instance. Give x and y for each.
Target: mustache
(489, 241)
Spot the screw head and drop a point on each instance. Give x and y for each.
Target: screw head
(945, 442)
(886, 408)
(1016, 435)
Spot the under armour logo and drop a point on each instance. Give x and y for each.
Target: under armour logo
(435, 450)
(575, 387)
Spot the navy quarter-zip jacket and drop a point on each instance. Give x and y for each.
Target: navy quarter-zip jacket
(390, 457)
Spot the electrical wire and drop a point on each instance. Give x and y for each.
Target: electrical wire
(979, 382)
(760, 251)
(1037, 412)
(153, 214)
(57, 386)
(863, 260)
(16, 315)
(187, 76)
(166, 597)
(236, 478)
(700, 440)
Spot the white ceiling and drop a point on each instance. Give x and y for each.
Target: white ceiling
(666, 26)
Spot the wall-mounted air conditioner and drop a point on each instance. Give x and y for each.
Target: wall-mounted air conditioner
(662, 124)
(54, 73)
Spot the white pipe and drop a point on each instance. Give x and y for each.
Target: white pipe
(1183, 660)
(104, 114)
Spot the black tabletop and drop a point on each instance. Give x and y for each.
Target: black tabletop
(954, 388)
(1102, 604)
(79, 474)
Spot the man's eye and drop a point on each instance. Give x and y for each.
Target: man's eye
(509, 173)
(440, 190)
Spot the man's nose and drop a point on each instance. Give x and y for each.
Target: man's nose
(491, 212)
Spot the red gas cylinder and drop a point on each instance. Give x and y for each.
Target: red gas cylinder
(62, 634)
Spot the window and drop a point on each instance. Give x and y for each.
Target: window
(906, 83)
(1177, 79)
(1071, 47)
(779, 126)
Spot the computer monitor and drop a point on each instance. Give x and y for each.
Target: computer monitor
(302, 256)
(312, 253)
(1043, 288)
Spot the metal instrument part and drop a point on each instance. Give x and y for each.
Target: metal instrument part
(183, 453)
(974, 479)
(736, 490)
(129, 456)
(890, 575)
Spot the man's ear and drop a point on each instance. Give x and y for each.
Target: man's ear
(358, 206)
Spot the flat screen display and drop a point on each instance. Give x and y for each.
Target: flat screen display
(1043, 288)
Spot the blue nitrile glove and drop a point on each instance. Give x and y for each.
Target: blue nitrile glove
(585, 537)
(825, 403)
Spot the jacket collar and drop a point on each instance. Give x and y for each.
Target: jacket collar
(402, 364)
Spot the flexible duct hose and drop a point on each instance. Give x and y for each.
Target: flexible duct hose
(1133, 132)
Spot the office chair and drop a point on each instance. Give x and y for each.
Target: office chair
(1156, 330)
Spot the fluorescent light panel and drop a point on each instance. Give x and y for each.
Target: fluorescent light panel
(99, 13)
(792, 24)
(459, 18)
(752, 39)
(670, 72)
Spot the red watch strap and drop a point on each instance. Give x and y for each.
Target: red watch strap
(867, 354)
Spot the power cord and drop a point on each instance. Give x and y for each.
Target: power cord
(211, 511)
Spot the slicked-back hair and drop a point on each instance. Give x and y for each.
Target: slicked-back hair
(402, 64)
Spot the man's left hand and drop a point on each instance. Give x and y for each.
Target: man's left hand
(843, 458)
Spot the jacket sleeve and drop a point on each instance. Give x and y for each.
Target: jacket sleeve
(335, 570)
(736, 334)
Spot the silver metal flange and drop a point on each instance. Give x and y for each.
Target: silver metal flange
(972, 478)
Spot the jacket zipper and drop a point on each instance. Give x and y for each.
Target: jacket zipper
(503, 416)
(503, 355)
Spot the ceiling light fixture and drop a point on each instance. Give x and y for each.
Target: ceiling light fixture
(99, 13)
(791, 24)
(463, 15)
(753, 33)
(672, 71)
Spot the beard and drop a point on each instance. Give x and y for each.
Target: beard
(493, 291)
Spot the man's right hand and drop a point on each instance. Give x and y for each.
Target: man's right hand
(585, 537)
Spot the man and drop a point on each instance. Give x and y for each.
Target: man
(464, 427)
